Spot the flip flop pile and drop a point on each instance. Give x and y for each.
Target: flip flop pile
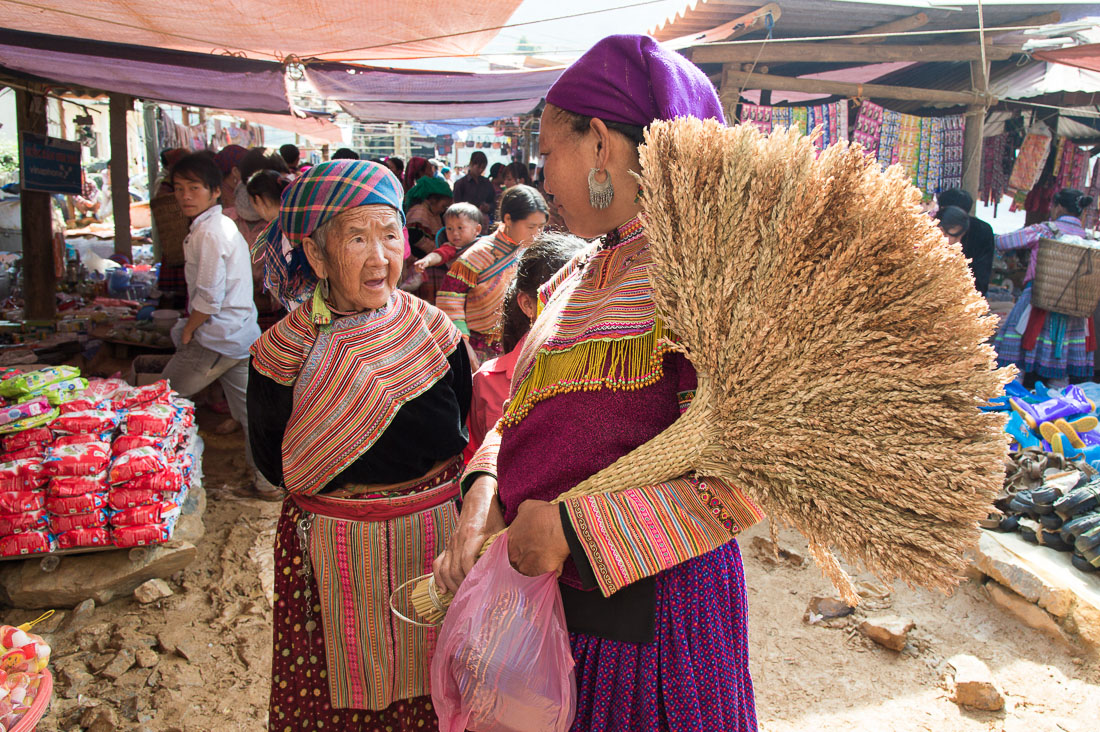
(1051, 494)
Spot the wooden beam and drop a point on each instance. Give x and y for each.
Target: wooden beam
(1044, 19)
(39, 277)
(842, 53)
(734, 80)
(975, 131)
(895, 26)
(120, 173)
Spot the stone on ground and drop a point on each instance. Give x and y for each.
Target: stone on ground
(826, 608)
(120, 664)
(151, 591)
(890, 631)
(974, 685)
(1030, 615)
(146, 657)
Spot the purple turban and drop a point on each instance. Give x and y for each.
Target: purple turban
(634, 80)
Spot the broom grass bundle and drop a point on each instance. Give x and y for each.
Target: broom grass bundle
(840, 348)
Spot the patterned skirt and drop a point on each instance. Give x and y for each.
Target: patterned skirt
(375, 655)
(1059, 351)
(694, 677)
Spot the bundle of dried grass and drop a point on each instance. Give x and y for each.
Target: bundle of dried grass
(840, 348)
(841, 341)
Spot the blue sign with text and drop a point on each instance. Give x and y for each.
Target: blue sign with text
(51, 165)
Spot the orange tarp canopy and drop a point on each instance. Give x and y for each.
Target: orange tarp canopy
(275, 29)
(1083, 57)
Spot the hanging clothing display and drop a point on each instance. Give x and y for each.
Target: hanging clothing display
(832, 118)
(929, 149)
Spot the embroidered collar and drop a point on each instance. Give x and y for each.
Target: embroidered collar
(627, 233)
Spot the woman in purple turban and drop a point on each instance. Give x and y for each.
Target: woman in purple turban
(651, 579)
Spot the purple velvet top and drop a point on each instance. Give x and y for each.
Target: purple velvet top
(574, 435)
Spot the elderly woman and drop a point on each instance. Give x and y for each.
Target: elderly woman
(360, 396)
(651, 579)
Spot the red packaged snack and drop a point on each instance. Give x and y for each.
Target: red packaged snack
(94, 420)
(101, 389)
(125, 443)
(26, 438)
(83, 537)
(21, 501)
(79, 439)
(91, 458)
(158, 391)
(22, 475)
(122, 498)
(19, 523)
(80, 404)
(155, 419)
(168, 481)
(31, 452)
(77, 485)
(141, 535)
(63, 505)
(89, 520)
(137, 462)
(150, 513)
(32, 542)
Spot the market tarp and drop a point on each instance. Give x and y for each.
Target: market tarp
(197, 79)
(275, 29)
(1083, 57)
(370, 93)
(1039, 78)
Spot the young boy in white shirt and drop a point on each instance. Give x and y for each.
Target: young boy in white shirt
(213, 342)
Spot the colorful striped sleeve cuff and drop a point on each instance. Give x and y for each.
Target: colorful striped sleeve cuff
(453, 304)
(483, 461)
(637, 533)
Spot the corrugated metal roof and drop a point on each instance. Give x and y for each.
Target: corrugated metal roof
(802, 18)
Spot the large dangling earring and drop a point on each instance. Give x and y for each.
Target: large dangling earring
(322, 286)
(600, 194)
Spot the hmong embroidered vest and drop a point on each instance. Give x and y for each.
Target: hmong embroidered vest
(350, 377)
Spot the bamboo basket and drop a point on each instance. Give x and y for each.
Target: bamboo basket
(1067, 278)
(840, 347)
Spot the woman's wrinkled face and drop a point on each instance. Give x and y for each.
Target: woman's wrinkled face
(566, 161)
(363, 255)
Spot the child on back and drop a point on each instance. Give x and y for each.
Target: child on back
(462, 223)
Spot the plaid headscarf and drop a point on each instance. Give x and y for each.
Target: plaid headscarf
(320, 194)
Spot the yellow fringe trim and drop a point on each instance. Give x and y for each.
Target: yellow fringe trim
(625, 364)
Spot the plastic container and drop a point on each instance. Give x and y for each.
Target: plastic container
(29, 721)
(163, 320)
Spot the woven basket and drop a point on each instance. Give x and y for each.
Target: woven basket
(1067, 278)
(172, 227)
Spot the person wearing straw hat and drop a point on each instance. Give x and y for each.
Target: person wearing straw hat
(651, 579)
(1052, 346)
(359, 398)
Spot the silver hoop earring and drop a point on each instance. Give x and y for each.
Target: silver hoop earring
(600, 194)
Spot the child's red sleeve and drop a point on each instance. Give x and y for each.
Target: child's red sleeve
(448, 252)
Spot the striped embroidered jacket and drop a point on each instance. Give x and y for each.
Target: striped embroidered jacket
(473, 291)
(350, 377)
(599, 336)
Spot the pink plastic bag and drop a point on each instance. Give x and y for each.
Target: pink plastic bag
(502, 662)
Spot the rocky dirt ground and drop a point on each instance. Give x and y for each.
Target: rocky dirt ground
(199, 658)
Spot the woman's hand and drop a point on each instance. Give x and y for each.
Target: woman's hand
(536, 539)
(429, 261)
(480, 519)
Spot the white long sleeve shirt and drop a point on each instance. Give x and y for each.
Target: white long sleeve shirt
(218, 269)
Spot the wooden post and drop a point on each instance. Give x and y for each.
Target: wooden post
(120, 173)
(152, 164)
(974, 133)
(39, 277)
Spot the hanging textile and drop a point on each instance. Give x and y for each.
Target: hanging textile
(831, 118)
(929, 149)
